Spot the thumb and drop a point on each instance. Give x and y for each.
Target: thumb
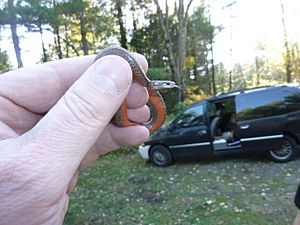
(72, 126)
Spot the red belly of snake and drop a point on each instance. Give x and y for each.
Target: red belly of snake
(155, 103)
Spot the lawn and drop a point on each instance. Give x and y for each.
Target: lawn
(121, 188)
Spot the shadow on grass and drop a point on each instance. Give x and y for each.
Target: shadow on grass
(241, 158)
(211, 159)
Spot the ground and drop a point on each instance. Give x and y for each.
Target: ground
(121, 188)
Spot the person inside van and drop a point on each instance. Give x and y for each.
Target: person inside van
(215, 125)
(229, 129)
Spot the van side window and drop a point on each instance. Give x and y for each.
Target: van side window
(292, 100)
(259, 105)
(191, 117)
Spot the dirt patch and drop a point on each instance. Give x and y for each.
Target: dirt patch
(152, 197)
(139, 180)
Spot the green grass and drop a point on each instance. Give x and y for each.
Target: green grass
(121, 188)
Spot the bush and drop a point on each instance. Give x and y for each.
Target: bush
(158, 74)
(5, 65)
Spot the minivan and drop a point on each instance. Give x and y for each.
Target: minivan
(262, 119)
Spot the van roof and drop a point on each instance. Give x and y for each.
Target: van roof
(222, 95)
(249, 90)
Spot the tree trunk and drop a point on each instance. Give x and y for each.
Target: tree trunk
(257, 71)
(211, 39)
(121, 24)
(296, 57)
(94, 40)
(288, 64)
(13, 27)
(58, 42)
(84, 41)
(165, 26)
(208, 85)
(181, 47)
(243, 83)
(15, 38)
(45, 57)
(230, 80)
(223, 80)
(67, 39)
(69, 44)
(213, 78)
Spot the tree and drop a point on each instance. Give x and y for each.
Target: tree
(200, 40)
(78, 10)
(260, 48)
(295, 56)
(8, 15)
(221, 75)
(144, 41)
(34, 14)
(100, 25)
(176, 50)
(287, 56)
(5, 65)
(119, 4)
(240, 81)
(85, 25)
(55, 21)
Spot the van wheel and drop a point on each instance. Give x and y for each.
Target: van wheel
(286, 153)
(160, 156)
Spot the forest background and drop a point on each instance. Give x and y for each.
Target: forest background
(177, 38)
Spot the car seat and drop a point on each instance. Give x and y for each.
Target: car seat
(215, 123)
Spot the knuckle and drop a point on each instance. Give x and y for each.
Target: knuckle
(84, 110)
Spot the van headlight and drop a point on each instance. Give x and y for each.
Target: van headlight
(144, 151)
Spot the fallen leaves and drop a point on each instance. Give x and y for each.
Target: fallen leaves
(122, 189)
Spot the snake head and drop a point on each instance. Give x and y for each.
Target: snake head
(163, 84)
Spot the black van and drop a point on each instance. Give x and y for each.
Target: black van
(263, 119)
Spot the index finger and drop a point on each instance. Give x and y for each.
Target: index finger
(39, 87)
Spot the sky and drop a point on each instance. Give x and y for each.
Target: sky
(249, 23)
(246, 24)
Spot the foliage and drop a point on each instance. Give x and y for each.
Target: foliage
(295, 61)
(84, 26)
(197, 62)
(168, 95)
(5, 65)
(34, 13)
(158, 74)
(193, 95)
(176, 109)
(145, 41)
(81, 27)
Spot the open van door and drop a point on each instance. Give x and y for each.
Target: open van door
(222, 114)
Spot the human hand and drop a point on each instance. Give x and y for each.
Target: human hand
(54, 121)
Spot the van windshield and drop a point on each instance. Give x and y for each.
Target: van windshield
(191, 117)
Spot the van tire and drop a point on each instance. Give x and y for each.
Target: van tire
(286, 153)
(160, 156)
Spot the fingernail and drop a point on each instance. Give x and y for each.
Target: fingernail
(116, 71)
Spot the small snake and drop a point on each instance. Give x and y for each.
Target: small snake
(155, 103)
